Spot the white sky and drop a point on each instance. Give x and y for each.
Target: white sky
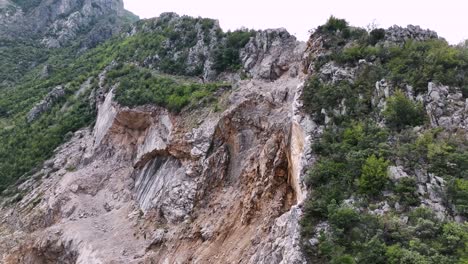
(449, 18)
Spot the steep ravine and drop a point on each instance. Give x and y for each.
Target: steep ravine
(149, 186)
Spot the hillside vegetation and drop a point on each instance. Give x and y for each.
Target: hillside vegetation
(357, 211)
(159, 47)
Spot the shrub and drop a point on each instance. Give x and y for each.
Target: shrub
(406, 191)
(418, 62)
(374, 176)
(344, 259)
(226, 57)
(455, 238)
(318, 96)
(342, 217)
(376, 35)
(140, 87)
(401, 112)
(458, 191)
(333, 24)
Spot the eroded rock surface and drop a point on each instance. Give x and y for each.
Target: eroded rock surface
(148, 186)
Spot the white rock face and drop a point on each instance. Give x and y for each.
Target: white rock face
(157, 137)
(271, 53)
(396, 173)
(283, 241)
(148, 185)
(163, 185)
(445, 108)
(105, 118)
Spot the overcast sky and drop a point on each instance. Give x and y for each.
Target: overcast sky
(448, 17)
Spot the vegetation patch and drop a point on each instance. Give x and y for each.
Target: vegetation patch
(137, 86)
(350, 183)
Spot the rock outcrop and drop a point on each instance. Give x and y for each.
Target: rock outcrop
(57, 23)
(269, 54)
(52, 97)
(201, 186)
(397, 34)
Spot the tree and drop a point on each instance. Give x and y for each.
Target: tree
(374, 176)
(401, 112)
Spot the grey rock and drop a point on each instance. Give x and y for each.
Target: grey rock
(43, 106)
(397, 34)
(446, 108)
(285, 241)
(57, 23)
(157, 238)
(396, 173)
(162, 185)
(270, 54)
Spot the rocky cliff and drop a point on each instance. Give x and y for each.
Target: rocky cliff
(57, 23)
(145, 185)
(269, 166)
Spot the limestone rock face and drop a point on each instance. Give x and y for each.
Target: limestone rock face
(57, 23)
(446, 107)
(145, 185)
(270, 53)
(399, 34)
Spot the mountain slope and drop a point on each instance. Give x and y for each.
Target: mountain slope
(389, 184)
(174, 182)
(32, 31)
(176, 142)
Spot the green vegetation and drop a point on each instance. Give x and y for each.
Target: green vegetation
(138, 86)
(349, 167)
(355, 97)
(24, 146)
(401, 112)
(406, 191)
(333, 24)
(17, 58)
(414, 63)
(226, 57)
(346, 165)
(374, 176)
(349, 183)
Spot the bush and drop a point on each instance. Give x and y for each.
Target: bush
(227, 56)
(342, 217)
(419, 62)
(455, 238)
(458, 192)
(376, 35)
(140, 87)
(401, 112)
(374, 176)
(333, 24)
(406, 191)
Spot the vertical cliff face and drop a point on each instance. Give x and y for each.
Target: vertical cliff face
(145, 185)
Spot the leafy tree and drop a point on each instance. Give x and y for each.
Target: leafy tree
(458, 192)
(374, 175)
(406, 191)
(401, 112)
(376, 35)
(227, 56)
(334, 24)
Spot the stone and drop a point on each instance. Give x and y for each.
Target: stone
(400, 35)
(396, 173)
(270, 54)
(52, 97)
